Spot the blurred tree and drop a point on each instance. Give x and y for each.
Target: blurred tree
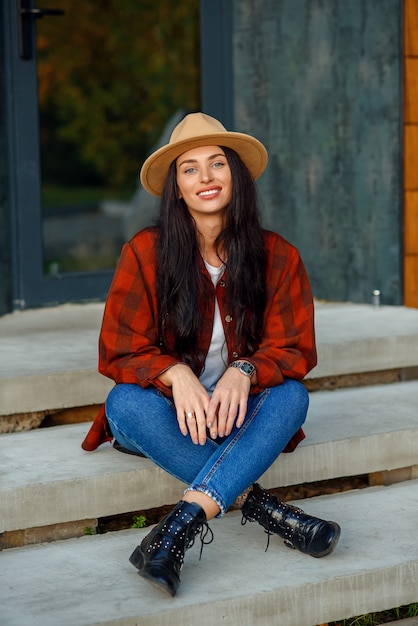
(110, 76)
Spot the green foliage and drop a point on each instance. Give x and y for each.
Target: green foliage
(57, 197)
(89, 531)
(383, 617)
(139, 521)
(110, 76)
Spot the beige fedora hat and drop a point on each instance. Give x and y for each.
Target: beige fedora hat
(199, 129)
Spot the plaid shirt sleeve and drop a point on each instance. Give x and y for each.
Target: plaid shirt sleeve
(129, 345)
(287, 349)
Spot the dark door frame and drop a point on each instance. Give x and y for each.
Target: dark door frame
(216, 60)
(30, 286)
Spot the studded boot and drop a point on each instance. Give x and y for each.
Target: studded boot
(308, 534)
(159, 558)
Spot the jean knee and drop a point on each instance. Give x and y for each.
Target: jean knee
(120, 400)
(301, 394)
(296, 396)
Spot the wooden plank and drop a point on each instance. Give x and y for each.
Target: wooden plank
(411, 223)
(411, 154)
(411, 157)
(411, 90)
(411, 27)
(411, 280)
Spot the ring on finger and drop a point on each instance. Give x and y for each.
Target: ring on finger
(190, 415)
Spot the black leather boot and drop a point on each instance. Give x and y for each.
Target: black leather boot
(308, 534)
(160, 556)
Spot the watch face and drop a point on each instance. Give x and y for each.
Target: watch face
(244, 367)
(247, 368)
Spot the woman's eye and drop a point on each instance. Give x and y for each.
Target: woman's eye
(218, 164)
(190, 170)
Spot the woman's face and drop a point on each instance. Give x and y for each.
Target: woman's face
(204, 180)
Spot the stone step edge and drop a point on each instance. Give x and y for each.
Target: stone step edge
(80, 528)
(49, 393)
(88, 498)
(29, 420)
(350, 338)
(83, 481)
(374, 568)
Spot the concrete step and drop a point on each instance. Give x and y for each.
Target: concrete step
(49, 356)
(355, 338)
(45, 477)
(89, 581)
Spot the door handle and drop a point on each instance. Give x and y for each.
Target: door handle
(26, 16)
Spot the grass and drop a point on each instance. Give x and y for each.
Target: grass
(382, 617)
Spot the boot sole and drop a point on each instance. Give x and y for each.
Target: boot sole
(137, 559)
(157, 583)
(333, 543)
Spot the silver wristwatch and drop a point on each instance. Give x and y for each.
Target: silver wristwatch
(244, 367)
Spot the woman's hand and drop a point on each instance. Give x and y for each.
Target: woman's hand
(228, 405)
(190, 399)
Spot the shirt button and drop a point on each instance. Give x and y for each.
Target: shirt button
(228, 318)
(222, 283)
(235, 355)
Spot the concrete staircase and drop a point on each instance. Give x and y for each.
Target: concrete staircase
(50, 489)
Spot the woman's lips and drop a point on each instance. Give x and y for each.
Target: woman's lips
(209, 193)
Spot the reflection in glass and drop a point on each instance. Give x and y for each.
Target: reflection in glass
(112, 77)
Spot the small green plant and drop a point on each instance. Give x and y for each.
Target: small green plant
(89, 530)
(139, 521)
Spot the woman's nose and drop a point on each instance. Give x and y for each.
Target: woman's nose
(206, 174)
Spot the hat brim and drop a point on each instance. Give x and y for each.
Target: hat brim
(154, 171)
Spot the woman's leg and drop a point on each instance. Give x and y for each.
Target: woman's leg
(143, 419)
(273, 417)
(217, 472)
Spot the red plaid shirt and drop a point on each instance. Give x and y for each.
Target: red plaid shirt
(129, 350)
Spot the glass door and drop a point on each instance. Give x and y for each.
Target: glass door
(96, 85)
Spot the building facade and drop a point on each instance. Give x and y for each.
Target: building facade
(328, 85)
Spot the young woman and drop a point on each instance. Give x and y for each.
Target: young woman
(207, 332)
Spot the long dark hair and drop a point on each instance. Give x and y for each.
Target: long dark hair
(180, 282)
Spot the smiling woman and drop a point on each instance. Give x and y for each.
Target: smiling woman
(204, 183)
(207, 332)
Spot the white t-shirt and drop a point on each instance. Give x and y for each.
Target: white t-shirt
(217, 358)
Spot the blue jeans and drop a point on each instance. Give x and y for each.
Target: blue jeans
(145, 420)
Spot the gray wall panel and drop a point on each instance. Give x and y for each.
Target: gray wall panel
(319, 82)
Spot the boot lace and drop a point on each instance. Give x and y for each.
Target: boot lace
(262, 515)
(198, 528)
(259, 512)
